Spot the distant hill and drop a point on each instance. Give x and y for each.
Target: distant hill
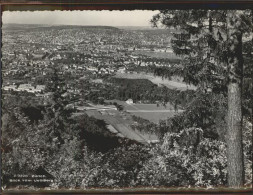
(144, 29)
(12, 26)
(84, 27)
(136, 27)
(150, 30)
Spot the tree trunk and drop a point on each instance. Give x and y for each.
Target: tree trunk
(234, 131)
(234, 136)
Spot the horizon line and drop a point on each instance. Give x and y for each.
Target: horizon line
(78, 25)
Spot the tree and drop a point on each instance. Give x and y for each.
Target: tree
(198, 162)
(57, 113)
(211, 42)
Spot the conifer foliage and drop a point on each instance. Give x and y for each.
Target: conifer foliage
(211, 43)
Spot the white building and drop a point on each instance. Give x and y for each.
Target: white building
(130, 101)
(40, 88)
(25, 87)
(10, 87)
(122, 70)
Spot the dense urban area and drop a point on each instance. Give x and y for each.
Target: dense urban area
(90, 106)
(107, 73)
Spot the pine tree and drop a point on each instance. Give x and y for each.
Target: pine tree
(210, 43)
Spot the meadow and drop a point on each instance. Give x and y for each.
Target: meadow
(157, 54)
(152, 112)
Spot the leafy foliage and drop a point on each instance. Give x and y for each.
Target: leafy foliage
(207, 111)
(212, 45)
(94, 131)
(176, 164)
(248, 154)
(120, 167)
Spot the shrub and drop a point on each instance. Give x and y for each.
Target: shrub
(201, 164)
(247, 147)
(120, 167)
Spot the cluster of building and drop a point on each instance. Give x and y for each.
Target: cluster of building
(25, 87)
(80, 53)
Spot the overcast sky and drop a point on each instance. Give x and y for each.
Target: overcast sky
(107, 18)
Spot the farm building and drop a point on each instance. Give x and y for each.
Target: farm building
(129, 101)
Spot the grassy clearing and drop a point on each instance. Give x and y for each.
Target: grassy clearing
(151, 112)
(154, 117)
(155, 54)
(149, 107)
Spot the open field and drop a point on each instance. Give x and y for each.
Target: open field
(156, 80)
(149, 107)
(119, 124)
(157, 54)
(151, 112)
(154, 117)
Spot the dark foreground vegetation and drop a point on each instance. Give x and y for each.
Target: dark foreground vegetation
(79, 152)
(83, 154)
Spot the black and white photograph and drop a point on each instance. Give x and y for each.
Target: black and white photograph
(132, 99)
